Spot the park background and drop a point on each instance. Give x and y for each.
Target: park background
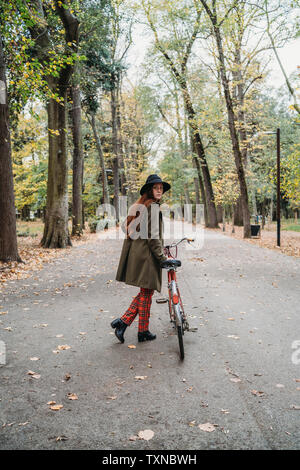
(99, 94)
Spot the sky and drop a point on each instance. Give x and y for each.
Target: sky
(289, 55)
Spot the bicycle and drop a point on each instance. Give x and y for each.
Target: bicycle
(176, 310)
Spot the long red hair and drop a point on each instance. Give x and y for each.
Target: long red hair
(146, 199)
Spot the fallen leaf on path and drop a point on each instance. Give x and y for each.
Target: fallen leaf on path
(72, 396)
(140, 377)
(279, 386)
(133, 438)
(192, 423)
(112, 398)
(59, 336)
(226, 412)
(146, 435)
(62, 347)
(51, 402)
(295, 407)
(61, 438)
(56, 407)
(34, 358)
(3, 313)
(257, 393)
(230, 319)
(233, 336)
(235, 380)
(131, 346)
(207, 427)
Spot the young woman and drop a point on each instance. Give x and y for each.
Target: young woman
(141, 256)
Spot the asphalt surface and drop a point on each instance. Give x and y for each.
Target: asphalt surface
(241, 371)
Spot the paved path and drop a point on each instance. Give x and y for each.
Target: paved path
(238, 373)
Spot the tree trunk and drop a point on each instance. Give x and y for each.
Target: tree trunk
(219, 213)
(119, 140)
(270, 216)
(77, 223)
(105, 191)
(187, 194)
(199, 183)
(231, 121)
(8, 232)
(115, 147)
(232, 219)
(56, 233)
(238, 212)
(212, 221)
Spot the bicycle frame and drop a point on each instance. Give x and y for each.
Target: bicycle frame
(174, 293)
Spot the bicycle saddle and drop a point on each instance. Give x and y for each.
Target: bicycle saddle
(170, 263)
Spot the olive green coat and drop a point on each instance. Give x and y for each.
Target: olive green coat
(139, 261)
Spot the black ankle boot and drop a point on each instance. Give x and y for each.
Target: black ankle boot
(145, 336)
(120, 328)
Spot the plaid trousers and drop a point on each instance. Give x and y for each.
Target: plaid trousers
(141, 305)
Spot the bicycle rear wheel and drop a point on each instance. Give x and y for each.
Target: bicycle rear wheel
(180, 341)
(179, 327)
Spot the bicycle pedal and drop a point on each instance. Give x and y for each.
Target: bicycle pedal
(162, 300)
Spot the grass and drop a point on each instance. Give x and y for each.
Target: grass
(292, 227)
(33, 228)
(286, 224)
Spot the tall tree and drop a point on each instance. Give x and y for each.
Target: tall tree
(279, 28)
(77, 213)
(38, 18)
(121, 25)
(179, 72)
(217, 30)
(8, 234)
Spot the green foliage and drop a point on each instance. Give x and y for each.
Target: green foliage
(291, 176)
(30, 162)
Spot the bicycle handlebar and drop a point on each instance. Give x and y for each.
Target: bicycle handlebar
(175, 244)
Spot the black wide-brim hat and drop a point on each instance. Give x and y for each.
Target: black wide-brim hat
(151, 180)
